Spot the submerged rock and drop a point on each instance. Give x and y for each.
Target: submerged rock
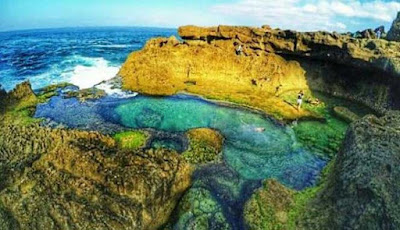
(205, 145)
(345, 114)
(268, 207)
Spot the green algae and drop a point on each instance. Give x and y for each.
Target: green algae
(205, 145)
(198, 210)
(131, 139)
(275, 207)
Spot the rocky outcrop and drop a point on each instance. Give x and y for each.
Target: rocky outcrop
(268, 207)
(67, 179)
(205, 145)
(345, 114)
(394, 32)
(330, 47)
(270, 70)
(362, 189)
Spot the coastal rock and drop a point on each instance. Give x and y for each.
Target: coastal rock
(82, 180)
(271, 68)
(394, 32)
(205, 145)
(215, 71)
(268, 207)
(362, 189)
(345, 114)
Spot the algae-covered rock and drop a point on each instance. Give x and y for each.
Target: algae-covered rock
(268, 207)
(345, 114)
(83, 180)
(87, 94)
(205, 145)
(362, 189)
(198, 209)
(132, 139)
(67, 179)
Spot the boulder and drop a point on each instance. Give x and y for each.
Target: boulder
(362, 189)
(394, 32)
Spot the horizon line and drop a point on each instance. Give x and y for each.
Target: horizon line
(83, 27)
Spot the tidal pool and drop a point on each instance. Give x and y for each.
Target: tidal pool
(249, 155)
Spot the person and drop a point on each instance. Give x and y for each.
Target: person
(300, 99)
(379, 34)
(239, 50)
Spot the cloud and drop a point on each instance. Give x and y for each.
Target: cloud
(314, 15)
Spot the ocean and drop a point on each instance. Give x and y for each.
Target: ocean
(81, 56)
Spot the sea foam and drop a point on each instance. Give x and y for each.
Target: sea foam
(92, 72)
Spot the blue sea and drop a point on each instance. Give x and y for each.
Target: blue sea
(82, 56)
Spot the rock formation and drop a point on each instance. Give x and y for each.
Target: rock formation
(362, 189)
(272, 66)
(62, 179)
(394, 32)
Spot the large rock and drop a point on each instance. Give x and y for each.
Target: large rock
(362, 191)
(342, 49)
(394, 32)
(273, 66)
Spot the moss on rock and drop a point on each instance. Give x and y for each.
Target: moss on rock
(205, 145)
(132, 139)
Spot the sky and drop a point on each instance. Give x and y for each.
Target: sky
(300, 15)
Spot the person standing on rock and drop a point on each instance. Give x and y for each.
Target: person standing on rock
(239, 50)
(300, 99)
(379, 34)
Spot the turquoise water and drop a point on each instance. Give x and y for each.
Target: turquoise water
(249, 155)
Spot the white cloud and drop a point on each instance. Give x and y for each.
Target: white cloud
(316, 15)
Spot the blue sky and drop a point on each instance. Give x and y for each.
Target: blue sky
(302, 15)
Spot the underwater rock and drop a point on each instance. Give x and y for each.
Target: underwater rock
(394, 32)
(362, 189)
(87, 94)
(205, 145)
(149, 118)
(268, 207)
(345, 114)
(198, 210)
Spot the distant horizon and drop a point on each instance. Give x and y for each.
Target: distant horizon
(300, 15)
(167, 28)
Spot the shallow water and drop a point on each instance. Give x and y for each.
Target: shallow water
(249, 156)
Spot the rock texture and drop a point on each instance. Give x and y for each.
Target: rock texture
(362, 190)
(272, 67)
(66, 179)
(394, 32)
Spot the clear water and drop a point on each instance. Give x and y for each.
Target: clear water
(249, 156)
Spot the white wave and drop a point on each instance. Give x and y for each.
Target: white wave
(85, 76)
(115, 92)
